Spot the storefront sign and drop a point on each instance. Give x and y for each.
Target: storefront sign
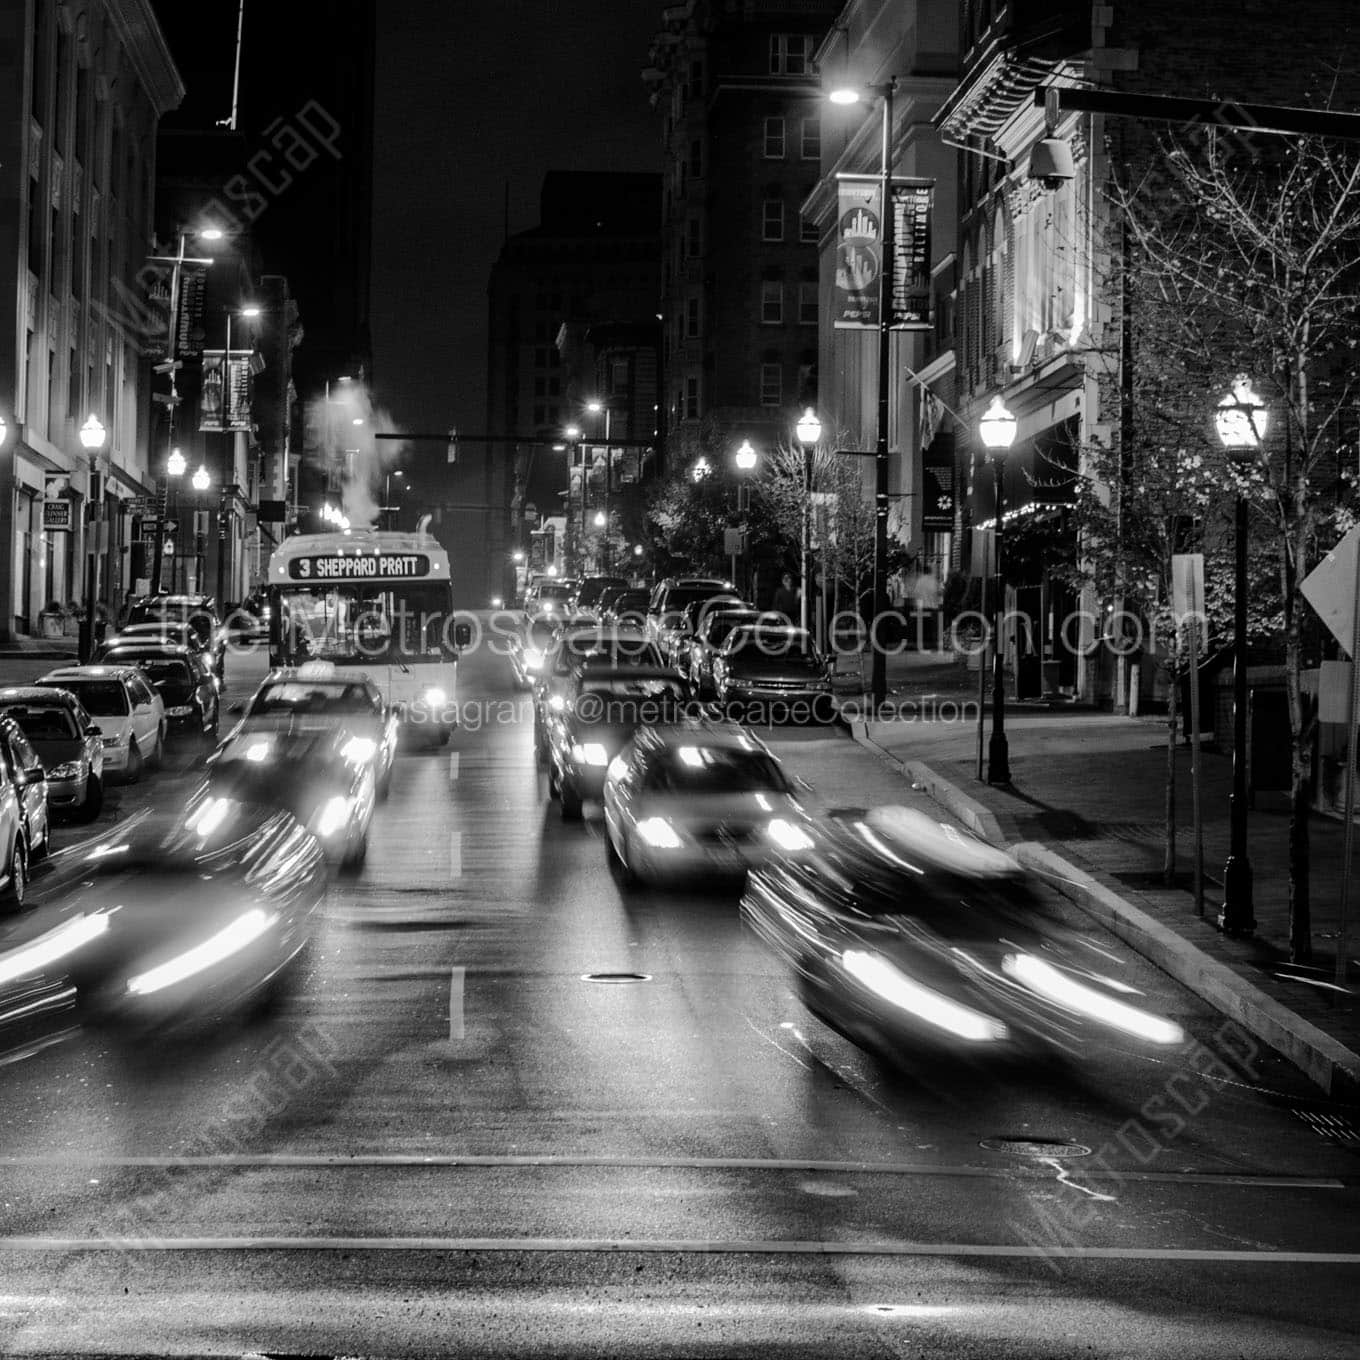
(56, 516)
(360, 567)
(859, 253)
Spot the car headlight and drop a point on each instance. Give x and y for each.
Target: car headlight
(591, 753)
(894, 986)
(334, 815)
(533, 660)
(72, 769)
(115, 740)
(618, 767)
(557, 703)
(214, 949)
(360, 750)
(788, 836)
(435, 697)
(179, 710)
(658, 833)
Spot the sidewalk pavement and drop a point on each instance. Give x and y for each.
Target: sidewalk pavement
(1087, 808)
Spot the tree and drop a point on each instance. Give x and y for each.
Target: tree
(1248, 255)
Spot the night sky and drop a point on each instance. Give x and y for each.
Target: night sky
(469, 97)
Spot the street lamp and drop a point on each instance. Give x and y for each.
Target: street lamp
(597, 407)
(175, 464)
(746, 457)
(997, 428)
(575, 553)
(878, 658)
(1240, 421)
(175, 467)
(92, 436)
(809, 432)
(201, 480)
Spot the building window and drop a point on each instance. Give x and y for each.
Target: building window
(790, 54)
(771, 385)
(772, 220)
(696, 159)
(774, 139)
(807, 304)
(540, 387)
(807, 232)
(694, 238)
(771, 303)
(695, 86)
(540, 415)
(812, 139)
(692, 327)
(691, 398)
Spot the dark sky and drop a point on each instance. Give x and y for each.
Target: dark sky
(471, 96)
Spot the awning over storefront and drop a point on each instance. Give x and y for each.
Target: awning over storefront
(1040, 474)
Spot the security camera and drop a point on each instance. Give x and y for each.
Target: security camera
(1051, 163)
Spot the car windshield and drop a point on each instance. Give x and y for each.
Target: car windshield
(160, 670)
(555, 593)
(45, 722)
(301, 696)
(681, 597)
(721, 626)
(351, 624)
(633, 687)
(630, 599)
(594, 649)
(101, 698)
(702, 769)
(773, 645)
(591, 591)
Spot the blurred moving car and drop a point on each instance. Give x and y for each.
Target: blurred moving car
(318, 697)
(710, 634)
(314, 774)
(529, 648)
(67, 742)
(628, 605)
(127, 711)
(772, 665)
(699, 799)
(25, 769)
(198, 611)
(911, 937)
(181, 676)
(588, 593)
(182, 921)
(601, 708)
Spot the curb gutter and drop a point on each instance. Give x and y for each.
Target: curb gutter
(1324, 1060)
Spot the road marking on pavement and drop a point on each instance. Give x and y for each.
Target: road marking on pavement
(456, 1006)
(674, 1246)
(453, 767)
(311, 1161)
(456, 854)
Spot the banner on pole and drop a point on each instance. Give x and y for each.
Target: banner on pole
(859, 253)
(225, 385)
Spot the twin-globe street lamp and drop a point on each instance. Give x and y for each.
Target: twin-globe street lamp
(1240, 421)
(997, 428)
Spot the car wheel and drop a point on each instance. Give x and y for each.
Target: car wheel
(40, 851)
(572, 803)
(12, 897)
(94, 800)
(157, 758)
(134, 763)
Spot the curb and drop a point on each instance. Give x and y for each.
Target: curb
(1324, 1060)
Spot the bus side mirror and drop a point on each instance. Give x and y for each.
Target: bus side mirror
(462, 635)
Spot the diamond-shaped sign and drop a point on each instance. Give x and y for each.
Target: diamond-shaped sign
(1330, 589)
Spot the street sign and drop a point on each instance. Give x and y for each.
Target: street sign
(734, 541)
(1330, 589)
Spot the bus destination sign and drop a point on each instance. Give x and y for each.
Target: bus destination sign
(360, 567)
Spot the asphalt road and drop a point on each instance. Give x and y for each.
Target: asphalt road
(447, 1140)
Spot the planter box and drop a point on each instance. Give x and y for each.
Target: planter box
(51, 625)
(70, 626)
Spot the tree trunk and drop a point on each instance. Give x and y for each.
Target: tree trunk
(1169, 858)
(1300, 914)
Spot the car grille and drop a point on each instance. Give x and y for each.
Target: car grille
(726, 833)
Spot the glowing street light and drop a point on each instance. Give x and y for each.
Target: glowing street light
(201, 480)
(746, 457)
(93, 434)
(175, 464)
(997, 429)
(600, 520)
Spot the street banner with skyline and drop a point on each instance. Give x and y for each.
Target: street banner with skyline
(859, 252)
(237, 390)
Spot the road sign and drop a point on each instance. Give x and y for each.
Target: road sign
(1330, 589)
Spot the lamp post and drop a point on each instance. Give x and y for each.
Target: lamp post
(174, 469)
(576, 544)
(997, 428)
(201, 482)
(878, 683)
(746, 459)
(809, 431)
(595, 406)
(92, 436)
(1240, 421)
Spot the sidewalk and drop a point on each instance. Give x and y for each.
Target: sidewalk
(1087, 807)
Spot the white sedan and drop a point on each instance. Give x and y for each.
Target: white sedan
(700, 799)
(128, 712)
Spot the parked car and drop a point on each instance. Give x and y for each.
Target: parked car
(183, 679)
(628, 605)
(199, 611)
(777, 667)
(68, 744)
(25, 769)
(709, 637)
(588, 593)
(699, 799)
(13, 846)
(127, 711)
(669, 600)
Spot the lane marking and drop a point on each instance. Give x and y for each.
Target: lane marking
(417, 1160)
(456, 854)
(675, 1246)
(456, 1006)
(453, 767)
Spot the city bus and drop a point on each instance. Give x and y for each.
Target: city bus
(376, 601)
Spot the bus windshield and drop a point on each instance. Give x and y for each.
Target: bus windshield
(366, 621)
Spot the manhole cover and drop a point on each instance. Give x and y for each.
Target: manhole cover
(616, 977)
(1035, 1147)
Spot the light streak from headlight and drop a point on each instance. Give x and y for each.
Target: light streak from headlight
(787, 836)
(1048, 982)
(208, 818)
(360, 750)
(258, 751)
(592, 753)
(533, 660)
(691, 755)
(228, 941)
(658, 833)
(894, 986)
(333, 816)
(55, 944)
(105, 850)
(557, 703)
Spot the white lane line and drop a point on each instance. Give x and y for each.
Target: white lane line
(416, 1160)
(456, 854)
(456, 1006)
(453, 767)
(675, 1246)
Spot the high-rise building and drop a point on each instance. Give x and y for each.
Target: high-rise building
(86, 87)
(741, 114)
